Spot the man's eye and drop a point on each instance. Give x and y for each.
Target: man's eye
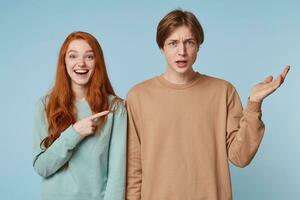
(173, 44)
(190, 42)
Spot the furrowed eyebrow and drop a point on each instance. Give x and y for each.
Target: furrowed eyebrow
(175, 40)
(189, 39)
(172, 40)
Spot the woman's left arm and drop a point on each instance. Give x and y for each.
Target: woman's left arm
(115, 189)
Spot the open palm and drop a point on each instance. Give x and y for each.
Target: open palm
(268, 86)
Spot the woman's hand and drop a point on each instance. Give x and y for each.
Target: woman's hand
(88, 125)
(268, 86)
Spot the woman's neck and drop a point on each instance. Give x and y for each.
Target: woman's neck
(80, 92)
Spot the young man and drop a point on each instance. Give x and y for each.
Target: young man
(184, 126)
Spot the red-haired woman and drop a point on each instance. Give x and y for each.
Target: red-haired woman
(79, 133)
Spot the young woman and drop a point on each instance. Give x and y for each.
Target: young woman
(79, 134)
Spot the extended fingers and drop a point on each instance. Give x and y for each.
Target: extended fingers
(98, 115)
(285, 71)
(268, 79)
(279, 80)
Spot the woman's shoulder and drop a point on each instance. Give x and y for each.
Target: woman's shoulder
(41, 102)
(40, 108)
(116, 104)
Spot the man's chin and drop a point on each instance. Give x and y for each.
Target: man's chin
(182, 70)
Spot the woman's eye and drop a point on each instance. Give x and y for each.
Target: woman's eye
(90, 57)
(72, 56)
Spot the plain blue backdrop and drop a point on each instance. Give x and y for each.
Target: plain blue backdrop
(244, 43)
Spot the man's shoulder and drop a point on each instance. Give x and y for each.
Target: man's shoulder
(217, 82)
(143, 86)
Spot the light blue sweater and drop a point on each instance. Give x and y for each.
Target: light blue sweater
(96, 164)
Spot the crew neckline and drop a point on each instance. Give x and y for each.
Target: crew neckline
(169, 84)
(80, 100)
(84, 100)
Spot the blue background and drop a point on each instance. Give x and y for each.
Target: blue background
(245, 42)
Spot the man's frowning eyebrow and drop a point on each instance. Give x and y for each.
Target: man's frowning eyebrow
(175, 40)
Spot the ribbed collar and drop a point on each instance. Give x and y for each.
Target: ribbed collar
(168, 84)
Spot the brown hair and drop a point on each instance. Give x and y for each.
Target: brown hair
(60, 109)
(175, 19)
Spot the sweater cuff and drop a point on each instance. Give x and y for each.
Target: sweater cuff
(253, 106)
(71, 137)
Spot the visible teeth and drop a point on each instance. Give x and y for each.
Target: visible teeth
(81, 71)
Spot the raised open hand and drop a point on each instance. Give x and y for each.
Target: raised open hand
(268, 86)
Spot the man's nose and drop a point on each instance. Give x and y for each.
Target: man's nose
(181, 49)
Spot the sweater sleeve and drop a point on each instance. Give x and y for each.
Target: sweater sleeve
(245, 129)
(134, 167)
(115, 189)
(49, 161)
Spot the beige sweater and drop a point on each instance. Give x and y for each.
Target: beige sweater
(180, 138)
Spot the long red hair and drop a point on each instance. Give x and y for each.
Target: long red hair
(60, 107)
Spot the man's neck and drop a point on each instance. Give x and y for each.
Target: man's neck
(179, 78)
